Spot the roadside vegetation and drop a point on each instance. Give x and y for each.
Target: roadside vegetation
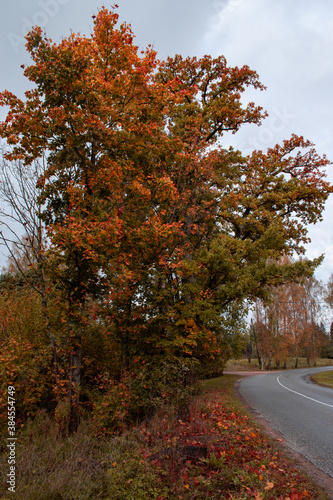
(244, 364)
(323, 378)
(212, 448)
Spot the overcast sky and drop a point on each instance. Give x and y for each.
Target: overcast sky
(288, 42)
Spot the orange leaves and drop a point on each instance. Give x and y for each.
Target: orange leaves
(269, 486)
(138, 189)
(166, 189)
(258, 496)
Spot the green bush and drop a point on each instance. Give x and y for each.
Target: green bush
(111, 408)
(134, 479)
(163, 382)
(137, 396)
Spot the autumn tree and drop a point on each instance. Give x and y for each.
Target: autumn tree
(328, 297)
(329, 291)
(151, 221)
(288, 321)
(26, 359)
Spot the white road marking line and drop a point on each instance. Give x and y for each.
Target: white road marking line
(303, 395)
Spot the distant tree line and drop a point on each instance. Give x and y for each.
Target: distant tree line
(289, 323)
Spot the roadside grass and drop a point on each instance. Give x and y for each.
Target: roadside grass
(213, 449)
(244, 365)
(323, 378)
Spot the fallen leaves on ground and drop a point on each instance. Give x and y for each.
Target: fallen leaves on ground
(216, 451)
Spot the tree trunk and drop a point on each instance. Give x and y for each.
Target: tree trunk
(74, 387)
(51, 337)
(269, 363)
(256, 343)
(249, 351)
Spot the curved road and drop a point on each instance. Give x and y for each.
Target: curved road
(300, 410)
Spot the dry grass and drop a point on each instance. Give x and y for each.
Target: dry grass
(244, 365)
(323, 378)
(241, 365)
(51, 467)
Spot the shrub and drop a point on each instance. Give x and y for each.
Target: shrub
(140, 395)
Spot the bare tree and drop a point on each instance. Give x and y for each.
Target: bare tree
(22, 230)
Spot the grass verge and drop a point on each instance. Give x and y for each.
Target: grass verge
(212, 450)
(244, 365)
(323, 378)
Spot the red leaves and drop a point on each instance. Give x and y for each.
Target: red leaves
(233, 466)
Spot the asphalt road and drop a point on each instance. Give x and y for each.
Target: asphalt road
(300, 410)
